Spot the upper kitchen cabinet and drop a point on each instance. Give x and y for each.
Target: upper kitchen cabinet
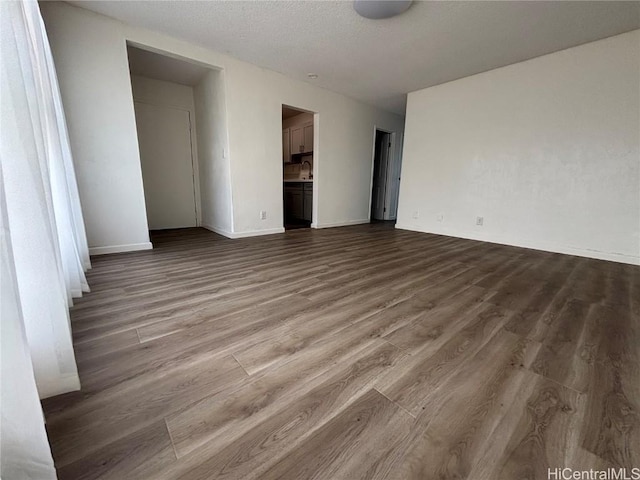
(302, 138)
(308, 138)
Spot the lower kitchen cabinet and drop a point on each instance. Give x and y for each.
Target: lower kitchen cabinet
(298, 201)
(307, 204)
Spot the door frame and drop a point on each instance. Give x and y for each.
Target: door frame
(392, 163)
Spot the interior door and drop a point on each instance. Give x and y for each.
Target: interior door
(164, 138)
(393, 180)
(380, 166)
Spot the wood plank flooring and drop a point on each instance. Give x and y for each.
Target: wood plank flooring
(361, 352)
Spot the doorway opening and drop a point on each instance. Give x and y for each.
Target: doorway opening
(381, 168)
(164, 107)
(385, 176)
(181, 126)
(298, 167)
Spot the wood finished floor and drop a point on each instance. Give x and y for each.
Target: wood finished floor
(350, 353)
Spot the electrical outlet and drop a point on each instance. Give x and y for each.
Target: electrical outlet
(263, 215)
(440, 217)
(416, 214)
(479, 221)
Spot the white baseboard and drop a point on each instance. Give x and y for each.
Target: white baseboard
(58, 386)
(219, 231)
(131, 247)
(257, 233)
(76, 293)
(579, 252)
(341, 224)
(249, 233)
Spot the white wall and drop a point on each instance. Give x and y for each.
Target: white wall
(90, 55)
(547, 151)
(159, 92)
(91, 61)
(213, 148)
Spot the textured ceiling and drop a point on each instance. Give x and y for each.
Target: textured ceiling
(379, 61)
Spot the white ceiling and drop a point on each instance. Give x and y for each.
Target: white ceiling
(379, 61)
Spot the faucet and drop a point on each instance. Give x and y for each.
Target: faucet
(310, 168)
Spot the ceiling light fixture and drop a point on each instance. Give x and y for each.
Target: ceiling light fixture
(312, 76)
(378, 9)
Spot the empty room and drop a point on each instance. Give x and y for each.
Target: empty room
(332, 240)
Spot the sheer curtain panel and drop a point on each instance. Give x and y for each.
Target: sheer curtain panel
(44, 246)
(24, 450)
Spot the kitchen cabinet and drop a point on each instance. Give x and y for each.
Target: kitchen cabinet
(307, 204)
(307, 135)
(298, 201)
(286, 145)
(302, 138)
(293, 200)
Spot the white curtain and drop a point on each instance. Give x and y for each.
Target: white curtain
(24, 451)
(43, 238)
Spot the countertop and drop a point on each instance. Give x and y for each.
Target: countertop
(297, 180)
